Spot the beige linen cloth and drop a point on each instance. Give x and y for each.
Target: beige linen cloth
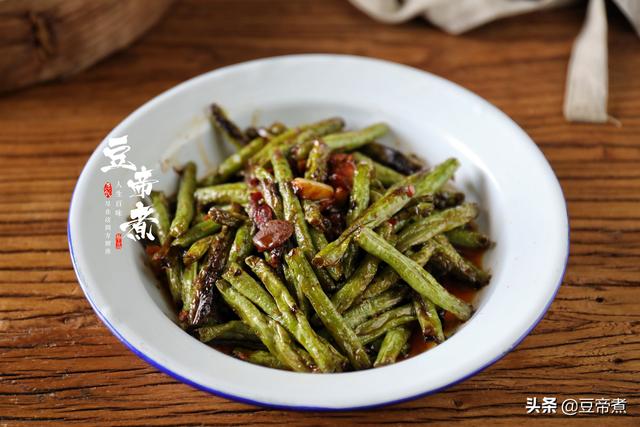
(587, 76)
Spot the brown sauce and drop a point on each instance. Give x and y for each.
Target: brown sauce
(450, 323)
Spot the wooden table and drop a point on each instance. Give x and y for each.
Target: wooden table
(59, 364)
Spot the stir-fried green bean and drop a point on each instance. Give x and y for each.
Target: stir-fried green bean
(388, 277)
(314, 249)
(184, 209)
(378, 326)
(299, 137)
(302, 147)
(348, 141)
(226, 127)
(377, 322)
(197, 232)
(203, 306)
(332, 320)
(292, 208)
(467, 239)
(174, 276)
(197, 250)
(412, 273)
(293, 213)
(234, 163)
(259, 357)
(394, 341)
(242, 244)
(452, 261)
(252, 290)
(395, 199)
(317, 163)
(360, 192)
(384, 174)
(347, 294)
(269, 334)
(223, 193)
(393, 158)
(430, 323)
(373, 306)
(293, 319)
(160, 206)
(188, 292)
(432, 225)
(232, 330)
(268, 186)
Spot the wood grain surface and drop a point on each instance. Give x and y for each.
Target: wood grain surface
(44, 39)
(59, 364)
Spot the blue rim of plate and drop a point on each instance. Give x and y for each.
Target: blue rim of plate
(241, 399)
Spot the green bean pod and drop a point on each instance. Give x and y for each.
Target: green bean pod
(348, 141)
(292, 318)
(437, 223)
(252, 290)
(234, 163)
(236, 192)
(373, 306)
(333, 321)
(188, 291)
(467, 239)
(412, 273)
(230, 131)
(197, 232)
(360, 193)
(160, 206)
(317, 162)
(259, 357)
(378, 326)
(452, 261)
(430, 323)
(388, 277)
(357, 283)
(268, 186)
(294, 214)
(392, 345)
(232, 330)
(395, 198)
(184, 207)
(384, 174)
(261, 326)
(174, 277)
(197, 250)
(242, 245)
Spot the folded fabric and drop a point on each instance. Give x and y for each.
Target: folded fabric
(587, 76)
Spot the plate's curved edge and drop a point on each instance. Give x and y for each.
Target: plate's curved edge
(241, 399)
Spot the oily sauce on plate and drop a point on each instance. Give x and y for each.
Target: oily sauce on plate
(450, 323)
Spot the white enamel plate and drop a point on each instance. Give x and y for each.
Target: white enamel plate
(523, 210)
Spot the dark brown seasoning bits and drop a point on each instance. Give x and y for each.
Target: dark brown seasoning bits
(259, 211)
(341, 170)
(273, 234)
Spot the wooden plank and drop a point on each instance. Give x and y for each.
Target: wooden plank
(60, 365)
